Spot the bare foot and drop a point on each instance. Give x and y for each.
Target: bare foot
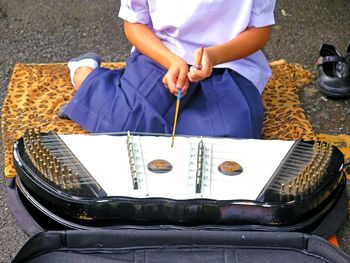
(80, 75)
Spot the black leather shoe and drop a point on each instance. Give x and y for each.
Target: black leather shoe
(347, 56)
(333, 72)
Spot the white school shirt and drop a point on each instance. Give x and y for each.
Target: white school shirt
(185, 25)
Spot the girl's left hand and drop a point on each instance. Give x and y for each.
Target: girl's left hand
(206, 66)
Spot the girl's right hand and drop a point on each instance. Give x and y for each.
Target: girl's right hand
(176, 77)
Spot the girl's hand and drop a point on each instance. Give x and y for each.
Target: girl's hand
(203, 65)
(176, 77)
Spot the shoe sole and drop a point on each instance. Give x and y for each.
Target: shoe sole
(333, 95)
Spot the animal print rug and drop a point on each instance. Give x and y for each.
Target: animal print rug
(36, 92)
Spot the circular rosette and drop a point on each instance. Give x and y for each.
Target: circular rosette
(230, 168)
(159, 166)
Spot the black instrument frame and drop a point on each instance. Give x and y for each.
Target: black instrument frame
(109, 211)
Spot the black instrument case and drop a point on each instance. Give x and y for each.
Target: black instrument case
(171, 245)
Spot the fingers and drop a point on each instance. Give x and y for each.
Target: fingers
(176, 79)
(173, 87)
(195, 74)
(171, 82)
(198, 55)
(203, 69)
(182, 81)
(185, 87)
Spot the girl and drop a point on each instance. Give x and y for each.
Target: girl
(220, 98)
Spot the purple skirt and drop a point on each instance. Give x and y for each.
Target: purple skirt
(135, 99)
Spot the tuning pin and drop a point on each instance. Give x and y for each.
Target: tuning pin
(71, 179)
(295, 181)
(31, 132)
(68, 181)
(57, 177)
(51, 172)
(58, 164)
(297, 190)
(302, 178)
(44, 168)
(36, 160)
(308, 185)
(313, 182)
(304, 187)
(64, 178)
(77, 178)
(282, 188)
(282, 192)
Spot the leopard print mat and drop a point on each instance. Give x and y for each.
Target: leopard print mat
(36, 92)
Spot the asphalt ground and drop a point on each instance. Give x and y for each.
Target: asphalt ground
(43, 31)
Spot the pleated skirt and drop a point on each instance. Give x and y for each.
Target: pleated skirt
(135, 99)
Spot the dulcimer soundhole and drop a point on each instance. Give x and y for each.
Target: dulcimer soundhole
(159, 166)
(230, 168)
